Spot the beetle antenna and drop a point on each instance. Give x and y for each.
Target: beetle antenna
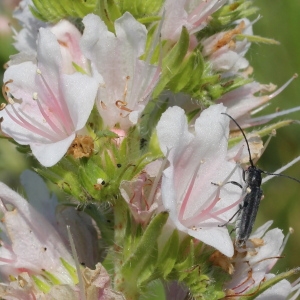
(250, 159)
(282, 175)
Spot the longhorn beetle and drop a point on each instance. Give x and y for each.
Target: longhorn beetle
(247, 212)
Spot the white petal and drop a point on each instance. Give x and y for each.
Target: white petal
(279, 291)
(79, 93)
(49, 154)
(38, 195)
(217, 237)
(172, 129)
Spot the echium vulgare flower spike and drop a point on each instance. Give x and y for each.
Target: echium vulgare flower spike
(46, 107)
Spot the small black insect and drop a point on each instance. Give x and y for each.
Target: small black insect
(248, 209)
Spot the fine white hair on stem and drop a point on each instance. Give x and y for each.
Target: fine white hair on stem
(282, 169)
(80, 279)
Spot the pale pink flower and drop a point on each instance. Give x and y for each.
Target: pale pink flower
(4, 25)
(279, 291)
(194, 15)
(198, 158)
(25, 40)
(252, 266)
(126, 81)
(60, 216)
(46, 107)
(224, 52)
(68, 37)
(245, 99)
(34, 243)
(29, 243)
(142, 194)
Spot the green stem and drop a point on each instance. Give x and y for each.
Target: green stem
(124, 285)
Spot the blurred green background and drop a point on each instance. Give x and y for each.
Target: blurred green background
(281, 21)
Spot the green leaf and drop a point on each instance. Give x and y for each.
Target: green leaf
(188, 76)
(168, 256)
(171, 63)
(109, 11)
(140, 255)
(53, 10)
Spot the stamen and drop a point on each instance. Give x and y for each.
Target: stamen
(28, 125)
(122, 103)
(188, 193)
(227, 208)
(204, 214)
(5, 89)
(295, 296)
(269, 117)
(61, 110)
(282, 87)
(291, 231)
(270, 176)
(47, 118)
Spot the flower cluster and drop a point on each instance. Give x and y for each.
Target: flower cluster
(126, 107)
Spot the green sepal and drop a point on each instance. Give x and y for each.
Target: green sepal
(229, 13)
(41, 284)
(146, 274)
(171, 63)
(65, 175)
(109, 12)
(144, 9)
(88, 174)
(256, 39)
(182, 267)
(136, 261)
(255, 292)
(187, 78)
(168, 255)
(213, 87)
(53, 11)
(150, 19)
(106, 134)
(149, 120)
